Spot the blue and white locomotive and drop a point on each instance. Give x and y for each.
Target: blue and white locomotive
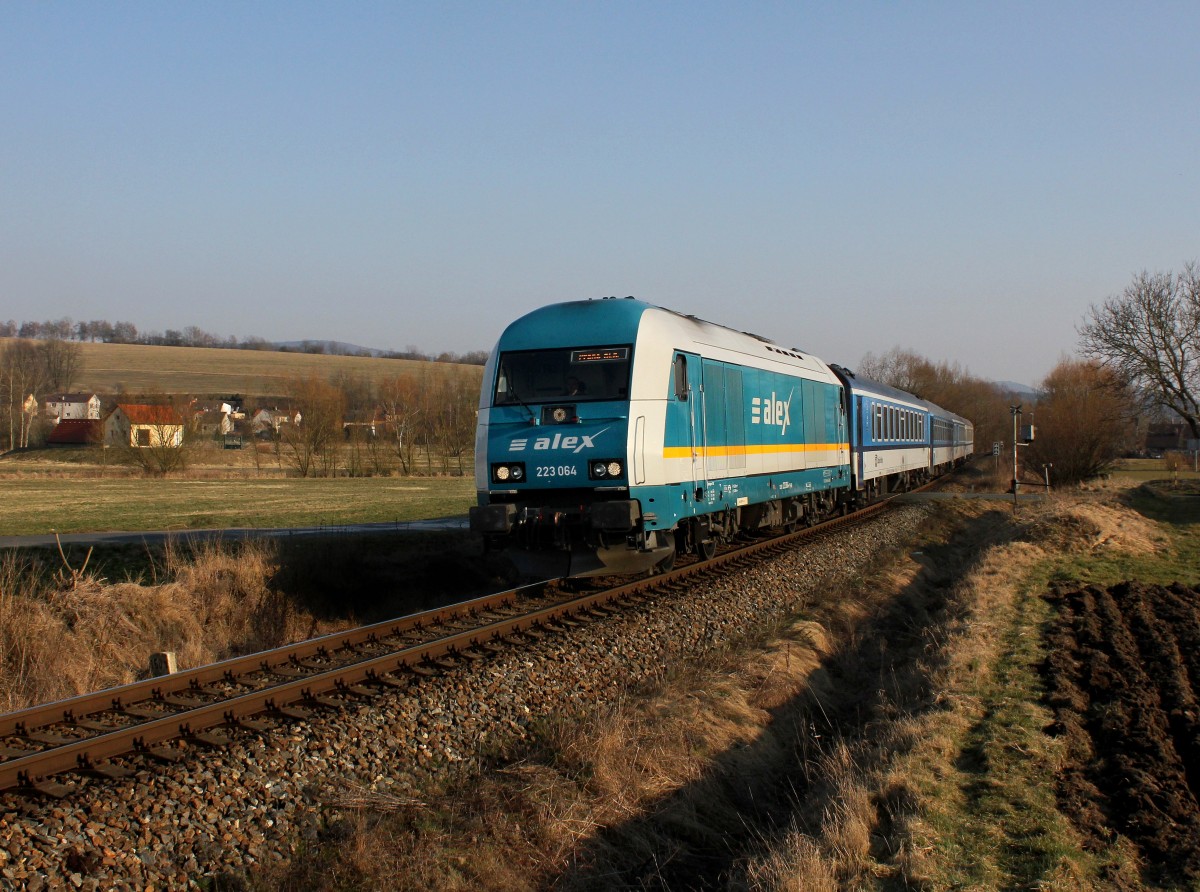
(614, 434)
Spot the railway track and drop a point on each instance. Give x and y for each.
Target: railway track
(167, 717)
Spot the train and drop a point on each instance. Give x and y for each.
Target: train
(614, 435)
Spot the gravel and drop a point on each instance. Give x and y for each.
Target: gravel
(225, 811)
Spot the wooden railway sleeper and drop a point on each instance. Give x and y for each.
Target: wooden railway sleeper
(108, 770)
(48, 788)
(247, 723)
(322, 700)
(167, 754)
(385, 681)
(210, 739)
(299, 713)
(357, 690)
(92, 725)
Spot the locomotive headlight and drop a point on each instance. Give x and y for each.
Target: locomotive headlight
(503, 473)
(604, 468)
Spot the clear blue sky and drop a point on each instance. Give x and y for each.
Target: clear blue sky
(961, 179)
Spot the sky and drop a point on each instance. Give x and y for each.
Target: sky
(959, 179)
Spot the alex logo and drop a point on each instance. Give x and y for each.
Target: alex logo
(575, 444)
(772, 411)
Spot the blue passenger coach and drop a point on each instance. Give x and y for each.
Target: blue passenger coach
(899, 440)
(613, 434)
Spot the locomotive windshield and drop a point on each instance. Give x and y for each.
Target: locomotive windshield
(539, 376)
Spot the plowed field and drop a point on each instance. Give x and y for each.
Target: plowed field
(1123, 677)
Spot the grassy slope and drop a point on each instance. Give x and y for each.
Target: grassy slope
(39, 506)
(138, 368)
(986, 768)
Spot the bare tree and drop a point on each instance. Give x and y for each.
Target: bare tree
(1085, 420)
(402, 401)
(454, 418)
(312, 442)
(62, 361)
(22, 373)
(1150, 336)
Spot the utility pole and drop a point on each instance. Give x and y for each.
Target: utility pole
(1016, 414)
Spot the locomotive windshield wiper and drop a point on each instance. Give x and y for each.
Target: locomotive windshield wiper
(532, 416)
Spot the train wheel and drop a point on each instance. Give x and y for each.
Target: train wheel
(706, 548)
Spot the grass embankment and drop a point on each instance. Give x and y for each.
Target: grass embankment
(36, 506)
(91, 621)
(893, 736)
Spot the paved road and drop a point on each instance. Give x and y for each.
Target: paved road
(158, 536)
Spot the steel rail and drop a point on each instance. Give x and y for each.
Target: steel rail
(69, 711)
(32, 770)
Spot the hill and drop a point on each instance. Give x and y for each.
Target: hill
(140, 368)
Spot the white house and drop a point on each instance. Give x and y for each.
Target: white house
(61, 406)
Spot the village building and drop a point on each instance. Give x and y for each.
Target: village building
(133, 424)
(63, 406)
(76, 432)
(269, 421)
(215, 417)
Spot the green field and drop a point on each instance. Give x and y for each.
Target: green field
(140, 368)
(1143, 469)
(72, 504)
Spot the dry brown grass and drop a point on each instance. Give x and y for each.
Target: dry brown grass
(62, 634)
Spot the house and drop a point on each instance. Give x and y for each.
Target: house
(61, 406)
(134, 424)
(365, 423)
(1166, 437)
(270, 420)
(76, 432)
(213, 417)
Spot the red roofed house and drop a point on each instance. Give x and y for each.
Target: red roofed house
(76, 432)
(133, 424)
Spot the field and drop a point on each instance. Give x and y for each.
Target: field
(139, 368)
(1143, 469)
(36, 506)
(1123, 676)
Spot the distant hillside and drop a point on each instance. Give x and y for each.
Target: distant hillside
(1016, 389)
(334, 348)
(139, 368)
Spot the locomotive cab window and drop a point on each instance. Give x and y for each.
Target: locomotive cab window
(681, 381)
(578, 375)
